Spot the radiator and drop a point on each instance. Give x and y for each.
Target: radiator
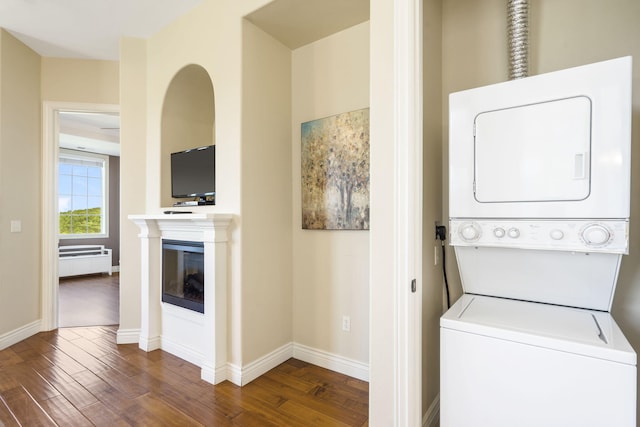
(83, 259)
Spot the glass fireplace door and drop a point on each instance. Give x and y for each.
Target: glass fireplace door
(183, 274)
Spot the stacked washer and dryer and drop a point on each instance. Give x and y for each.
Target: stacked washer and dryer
(539, 189)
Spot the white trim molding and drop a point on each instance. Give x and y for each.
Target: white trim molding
(241, 376)
(333, 362)
(407, 388)
(128, 336)
(12, 337)
(246, 374)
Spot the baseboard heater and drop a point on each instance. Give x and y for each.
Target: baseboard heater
(76, 260)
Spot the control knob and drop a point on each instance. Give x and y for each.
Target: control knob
(556, 234)
(499, 232)
(470, 232)
(596, 235)
(514, 233)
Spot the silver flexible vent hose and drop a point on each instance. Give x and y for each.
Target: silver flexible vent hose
(518, 34)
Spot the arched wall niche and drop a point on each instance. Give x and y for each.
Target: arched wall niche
(188, 120)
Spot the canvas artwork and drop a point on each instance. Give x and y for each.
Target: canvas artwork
(335, 172)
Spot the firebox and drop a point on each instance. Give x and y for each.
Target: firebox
(183, 274)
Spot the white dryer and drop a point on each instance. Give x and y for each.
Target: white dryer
(539, 209)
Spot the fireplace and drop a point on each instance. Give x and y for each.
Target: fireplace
(183, 274)
(199, 338)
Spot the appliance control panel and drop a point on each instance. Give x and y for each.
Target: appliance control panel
(584, 235)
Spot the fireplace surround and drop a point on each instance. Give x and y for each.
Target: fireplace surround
(197, 337)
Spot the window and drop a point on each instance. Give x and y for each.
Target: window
(82, 194)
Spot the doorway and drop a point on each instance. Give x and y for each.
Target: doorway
(75, 129)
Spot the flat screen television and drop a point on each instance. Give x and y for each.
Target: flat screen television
(193, 173)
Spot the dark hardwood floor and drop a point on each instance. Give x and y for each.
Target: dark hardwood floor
(80, 377)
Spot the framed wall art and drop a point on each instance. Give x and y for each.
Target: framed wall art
(335, 172)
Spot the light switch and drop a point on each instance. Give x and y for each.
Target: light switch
(16, 226)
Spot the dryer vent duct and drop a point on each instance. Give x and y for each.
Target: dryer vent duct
(518, 38)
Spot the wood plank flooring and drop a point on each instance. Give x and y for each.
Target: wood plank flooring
(80, 377)
(90, 300)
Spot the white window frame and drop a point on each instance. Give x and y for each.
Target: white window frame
(81, 155)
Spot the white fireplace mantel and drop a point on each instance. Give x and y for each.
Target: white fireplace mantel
(200, 338)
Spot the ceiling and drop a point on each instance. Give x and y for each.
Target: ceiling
(91, 29)
(92, 132)
(296, 23)
(88, 29)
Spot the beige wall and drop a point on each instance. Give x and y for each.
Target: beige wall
(20, 184)
(266, 194)
(80, 81)
(432, 306)
(330, 268)
(563, 34)
(133, 146)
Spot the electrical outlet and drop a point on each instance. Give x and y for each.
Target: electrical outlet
(346, 323)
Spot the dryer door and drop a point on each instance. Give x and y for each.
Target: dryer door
(534, 153)
(555, 145)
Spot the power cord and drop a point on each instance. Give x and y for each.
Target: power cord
(441, 234)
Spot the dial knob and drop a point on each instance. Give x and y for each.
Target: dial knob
(596, 235)
(470, 232)
(514, 233)
(556, 234)
(499, 232)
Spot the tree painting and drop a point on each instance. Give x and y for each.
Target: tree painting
(335, 172)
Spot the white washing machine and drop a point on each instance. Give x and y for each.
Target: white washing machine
(514, 363)
(539, 207)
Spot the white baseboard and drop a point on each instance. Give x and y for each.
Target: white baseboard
(214, 375)
(432, 417)
(243, 375)
(12, 337)
(334, 362)
(181, 351)
(115, 269)
(150, 343)
(248, 373)
(234, 373)
(128, 336)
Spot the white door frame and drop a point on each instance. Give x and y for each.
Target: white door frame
(49, 248)
(395, 357)
(408, 100)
